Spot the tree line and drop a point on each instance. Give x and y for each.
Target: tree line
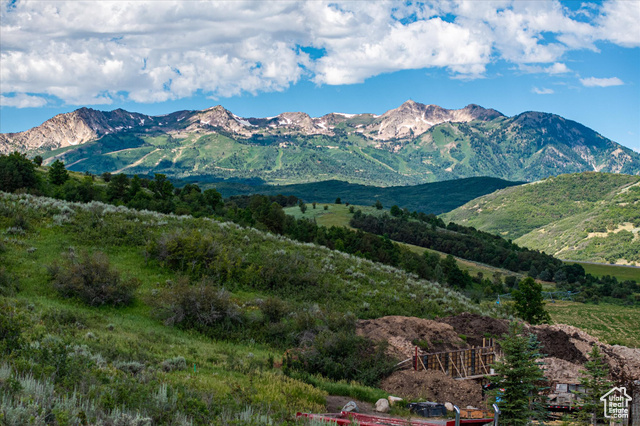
(374, 238)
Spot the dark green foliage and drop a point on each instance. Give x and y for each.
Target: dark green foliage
(201, 306)
(37, 160)
(117, 189)
(161, 187)
(338, 201)
(8, 283)
(529, 303)
(395, 211)
(83, 192)
(58, 173)
(16, 171)
(521, 377)
(468, 243)
(595, 382)
(344, 356)
(435, 198)
(303, 206)
(12, 324)
(91, 279)
(378, 205)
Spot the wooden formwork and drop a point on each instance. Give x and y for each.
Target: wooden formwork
(468, 363)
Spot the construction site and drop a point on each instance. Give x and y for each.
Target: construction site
(447, 361)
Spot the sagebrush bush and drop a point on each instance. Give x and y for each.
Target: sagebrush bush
(174, 364)
(91, 279)
(200, 306)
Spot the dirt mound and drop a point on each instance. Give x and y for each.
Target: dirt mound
(560, 371)
(433, 386)
(557, 343)
(572, 344)
(400, 332)
(476, 327)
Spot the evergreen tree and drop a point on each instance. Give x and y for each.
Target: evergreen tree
(519, 378)
(378, 205)
(16, 171)
(134, 187)
(338, 201)
(529, 302)
(117, 190)
(595, 382)
(303, 206)
(57, 173)
(37, 160)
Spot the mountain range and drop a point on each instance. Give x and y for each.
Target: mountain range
(408, 145)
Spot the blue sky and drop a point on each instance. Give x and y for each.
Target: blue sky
(580, 60)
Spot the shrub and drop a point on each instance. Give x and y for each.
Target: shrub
(344, 356)
(274, 309)
(91, 279)
(174, 364)
(199, 306)
(8, 283)
(12, 322)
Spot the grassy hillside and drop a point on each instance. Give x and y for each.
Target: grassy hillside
(622, 272)
(587, 216)
(150, 358)
(436, 198)
(613, 324)
(339, 215)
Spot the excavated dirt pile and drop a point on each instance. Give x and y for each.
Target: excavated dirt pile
(476, 327)
(566, 350)
(561, 341)
(434, 386)
(400, 332)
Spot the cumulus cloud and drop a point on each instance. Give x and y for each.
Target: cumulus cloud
(543, 91)
(22, 100)
(601, 82)
(87, 52)
(556, 68)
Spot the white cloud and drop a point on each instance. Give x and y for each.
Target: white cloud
(543, 91)
(601, 82)
(87, 52)
(555, 69)
(22, 100)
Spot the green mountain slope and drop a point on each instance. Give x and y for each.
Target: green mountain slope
(586, 216)
(409, 145)
(211, 311)
(435, 198)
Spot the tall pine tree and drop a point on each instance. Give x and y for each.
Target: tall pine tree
(57, 173)
(519, 378)
(595, 382)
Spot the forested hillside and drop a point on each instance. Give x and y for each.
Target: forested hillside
(585, 216)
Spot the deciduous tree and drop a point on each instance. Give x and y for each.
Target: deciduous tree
(529, 302)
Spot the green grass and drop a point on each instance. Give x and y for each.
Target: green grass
(591, 217)
(622, 273)
(233, 372)
(335, 215)
(339, 215)
(612, 324)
